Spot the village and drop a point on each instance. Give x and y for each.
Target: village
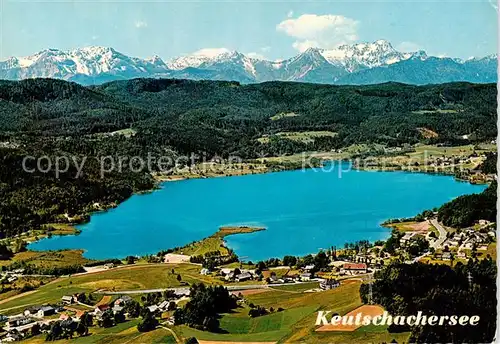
(420, 239)
(74, 310)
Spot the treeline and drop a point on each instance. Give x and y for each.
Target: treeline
(169, 118)
(489, 166)
(32, 269)
(34, 194)
(204, 307)
(464, 211)
(226, 117)
(436, 289)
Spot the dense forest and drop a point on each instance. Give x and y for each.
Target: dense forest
(218, 117)
(166, 117)
(466, 210)
(436, 289)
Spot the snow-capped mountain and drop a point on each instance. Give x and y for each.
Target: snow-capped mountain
(88, 62)
(361, 63)
(367, 55)
(198, 58)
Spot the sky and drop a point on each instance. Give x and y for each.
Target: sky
(261, 28)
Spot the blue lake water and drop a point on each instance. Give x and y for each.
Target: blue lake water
(303, 211)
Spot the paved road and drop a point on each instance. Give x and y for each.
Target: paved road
(442, 234)
(229, 287)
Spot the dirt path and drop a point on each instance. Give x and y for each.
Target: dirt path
(173, 333)
(20, 306)
(286, 291)
(106, 299)
(18, 296)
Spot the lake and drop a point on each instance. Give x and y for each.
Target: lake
(303, 211)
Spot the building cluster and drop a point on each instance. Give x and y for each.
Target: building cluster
(460, 243)
(466, 241)
(20, 325)
(69, 311)
(238, 275)
(11, 276)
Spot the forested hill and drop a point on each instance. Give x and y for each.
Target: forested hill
(222, 117)
(165, 117)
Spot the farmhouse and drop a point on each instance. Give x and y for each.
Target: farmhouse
(329, 284)
(18, 321)
(225, 271)
(46, 311)
(153, 309)
(308, 268)
(182, 292)
(99, 310)
(273, 277)
(244, 277)
(67, 299)
(230, 276)
(31, 310)
(407, 237)
(306, 276)
(355, 267)
(123, 300)
(163, 305)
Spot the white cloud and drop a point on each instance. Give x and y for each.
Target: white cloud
(140, 24)
(211, 52)
(290, 14)
(322, 31)
(408, 47)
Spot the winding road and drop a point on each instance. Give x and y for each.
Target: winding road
(442, 233)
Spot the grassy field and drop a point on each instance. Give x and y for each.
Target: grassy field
(48, 258)
(231, 230)
(410, 226)
(46, 230)
(210, 244)
(215, 242)
(297, 287)
(304, 136)
(296, 322)
(424, 154)
(283, 115)
(212, 169)
(122, 333)
(435, 151)
(407, 226)
(131, 277)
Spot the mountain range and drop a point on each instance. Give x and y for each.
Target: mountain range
(361, 63)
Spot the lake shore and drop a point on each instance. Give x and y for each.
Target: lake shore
(259, 167)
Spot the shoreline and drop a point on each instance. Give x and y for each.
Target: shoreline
(439, 173)
(86, 218)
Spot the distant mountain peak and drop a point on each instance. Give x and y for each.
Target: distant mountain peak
(363, 62)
